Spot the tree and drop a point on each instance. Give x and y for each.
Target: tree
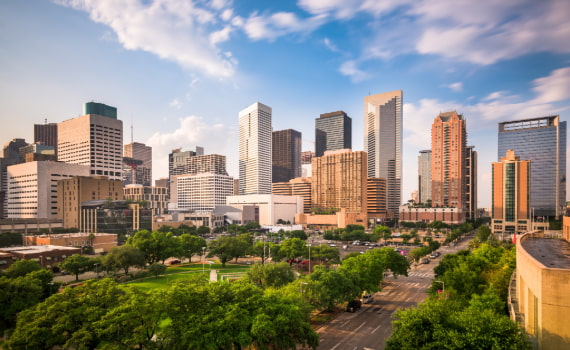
(9, 239)
(202, 230)
(330, 287)
(483, 233)
(17, 294)
(123, 257)
(325, 253)
(298, 234)
(227, 248)
(21, 268)
(156, 245)
(157, 269)
(190, 245)
(75, 264)
(292, 248)
(270, 275)
(383, 232)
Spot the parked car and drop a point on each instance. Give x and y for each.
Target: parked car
(425, 261)
(367, 298)
(353, 305)
(174, 261)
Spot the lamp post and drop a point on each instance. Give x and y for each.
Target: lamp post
(309, 257)
(203, 253)
(97, 269)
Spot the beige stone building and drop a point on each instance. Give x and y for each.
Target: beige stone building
(376, 199)
(74, 191)
(156, 198)
(300, 186)
(101, 242)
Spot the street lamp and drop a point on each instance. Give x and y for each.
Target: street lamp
(309, 257)
(203, 253)
(97, 270)
(443, 284)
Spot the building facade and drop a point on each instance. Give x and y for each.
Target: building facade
(155, 198)
(333, 131)
(376, 199)
(12, 149)
(448, 147)
(178, 160)
(118, 217)
(208, 163)
(255, 149)
(471, 183)
(137, 164)
(46, 134)
(32, 188)
(511, 195)
(383, 143)
(286, 150)
(543, 142)
(100, 242)
(449, 216)
(72, 192)
(268, 208)
(424, 176)
(340, 181)
(300, 186)
(200, 192)
(95, 140)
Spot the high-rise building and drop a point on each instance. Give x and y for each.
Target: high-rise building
(286, 150)
(208, 163)
(155, 198)
(333, 131)
(542, 141)
(95, 140)
(255, 149)
(300, 186)
(511, 194)
(137, 163)
(32, 188)
(448, 154)
(376, 199)
(46, 134)
(340, 181)
(471, 183)
(383, 143)
(178, 160)
(12, 149)
(306, 166)
(4, 163)
(200, 192)
(72, 192)
(424, 176)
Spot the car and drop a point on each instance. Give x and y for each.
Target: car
(367, 298)
(353, 305)
(64, 273)
(425, 261)
(332, 245)
(174, 261)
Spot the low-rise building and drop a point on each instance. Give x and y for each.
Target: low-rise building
(269, 208)
(340, 219)
(47, 255)
(100, 242)
(449, 216)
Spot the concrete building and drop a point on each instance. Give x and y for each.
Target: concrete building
(339, 181)
(286, 159)
(118, 217)
(176, 218)
(300, 186)
(208, 163)
(541, 304)
(37, 151)
(137, 164)
(178, 160)
(255, 150)
(46, 134)
(12, 149)
(306, 163)
(48, 256)
(449, 216)
(340, 219)
(162, 182)
(383, 143)
(333, 131)
(510, 195)
(4, 163)
(424, 176)
(200, 192)
(27, 226)
(155, 198)
(32, 188)
(448, 147)
(471, 183)
(100, 242)
(95, 140)
(269, 208)
(542, 141)
(376, 199)
(72, 192)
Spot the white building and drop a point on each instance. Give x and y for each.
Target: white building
(32, 187)
(94, 139)
(200, 192)
(255, 150)
(269, 208)
(383, 142)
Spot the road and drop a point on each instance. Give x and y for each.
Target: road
(369, 327)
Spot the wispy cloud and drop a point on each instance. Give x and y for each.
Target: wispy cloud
(350, 69)
(270, 27)
(455, 87)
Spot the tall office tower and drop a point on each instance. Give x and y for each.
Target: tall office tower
(300, 186)
(339, 181)
(286, 150)
(142, 152)
(73, 191)
(306, 167)
(46, 134)
(470, 183)
(255, 150)
(4, 163)
(511, 194)
(178, 160)
(333, 131)
(424, 176)
(200, 192)
(32, 188)
(383, 143)
(156, 198)
(376, 201)
(448, 153)
(94, 139)
(543, 142)
(12, 149)
(135, 173)
(209, 163)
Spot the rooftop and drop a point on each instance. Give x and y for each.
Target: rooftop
(551, 252)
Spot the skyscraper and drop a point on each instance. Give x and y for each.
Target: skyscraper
(178, 160)
(448, 149)
(542, 141)
(424, 176)
(383, 143)
(137, 162)
(286, 151)
(255, 149)
(470, 183)
(46, 134)
(93, 139)
(208, 163)
(333, 131)
(511, 194)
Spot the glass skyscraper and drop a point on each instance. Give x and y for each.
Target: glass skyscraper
(333, 131)
(543, 142)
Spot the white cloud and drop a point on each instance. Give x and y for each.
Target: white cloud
(270, 27)
(174, 30)
(191, 132)
(345, 9)
(350, 69)
(176, 103)
(455, 87)
(553, 88)
(330, 45)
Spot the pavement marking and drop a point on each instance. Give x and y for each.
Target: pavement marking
(375, 329)
(334, 347)
(363, 323)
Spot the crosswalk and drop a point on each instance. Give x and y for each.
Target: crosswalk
(422, 274)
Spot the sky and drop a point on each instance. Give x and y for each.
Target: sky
(179, 71)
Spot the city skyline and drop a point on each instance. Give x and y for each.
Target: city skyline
(490, 62)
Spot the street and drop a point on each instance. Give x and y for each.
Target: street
(369, 327)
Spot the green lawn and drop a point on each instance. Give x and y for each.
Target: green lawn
(185, 272)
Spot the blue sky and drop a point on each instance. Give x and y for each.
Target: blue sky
(180, 71)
